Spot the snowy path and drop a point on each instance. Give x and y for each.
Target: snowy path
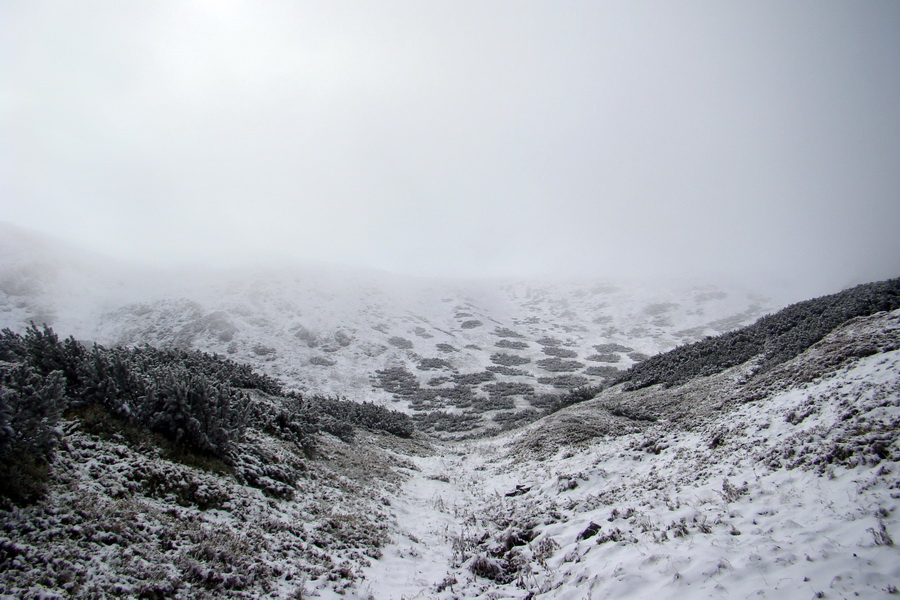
(431, 510)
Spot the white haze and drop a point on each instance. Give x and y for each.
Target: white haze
(756, 139)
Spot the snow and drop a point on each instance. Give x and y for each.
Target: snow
(795, 494)
(695, 520)
(712, 523)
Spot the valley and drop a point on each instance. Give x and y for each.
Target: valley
(574, 440)
(465, 358)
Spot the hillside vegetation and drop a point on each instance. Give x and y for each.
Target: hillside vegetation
(198, 402)
(714, 488)
(774, 338)
(759, 462)
(462, 358)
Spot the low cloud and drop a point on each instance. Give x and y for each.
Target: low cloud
(461, 138)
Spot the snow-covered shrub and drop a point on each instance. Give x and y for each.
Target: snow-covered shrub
(629, 412)
(553, 403)
(337, 426)
(12, 346)
(482, 404)
(216, 368)
(109, 380)
(426, 399)
(504, 388)
(429, 364)
(422, 333)
(606, 372)
(475, 378)
(659, 308)
(30, 407)
(514, 420)
(510, 371)
(512, 345)
(191, 398)
(608, 357)
(560, 352)
(776, 338)
(397, 381)
(557, 365)
(307, 336)
(489, 568)
(41, 349)
(343, 338)
(7, 433)
(363, 414)
(460, 396)
(292, 420)
(509, 360)
(444, 421)
(194, 411)
(611, 348)
(399, 342)
(507, 333)
(258, 467)
(564, 382)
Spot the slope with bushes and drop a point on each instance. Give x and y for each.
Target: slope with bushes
(774, 338)
(201, 403)
(153, 473)
(781, 486)
(150, 473)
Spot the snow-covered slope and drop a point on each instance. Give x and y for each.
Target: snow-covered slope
(778, 485)
(723, 488)
(488, 352)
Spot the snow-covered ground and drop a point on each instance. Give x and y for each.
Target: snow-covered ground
(792, 496)
(775, 485)
(747, 488)
(488, 350)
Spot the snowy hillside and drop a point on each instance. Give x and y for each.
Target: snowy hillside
(489, 353)
(774, 484)
(726, 487)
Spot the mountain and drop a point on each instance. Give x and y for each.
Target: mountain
(725, 486)
(770, 479)
(463, 357)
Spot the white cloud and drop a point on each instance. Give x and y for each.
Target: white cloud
(463, 137)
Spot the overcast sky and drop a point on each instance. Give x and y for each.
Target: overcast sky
(461, 137)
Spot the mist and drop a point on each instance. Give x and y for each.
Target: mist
(462, 139)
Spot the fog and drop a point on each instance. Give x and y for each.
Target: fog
(463, 138)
